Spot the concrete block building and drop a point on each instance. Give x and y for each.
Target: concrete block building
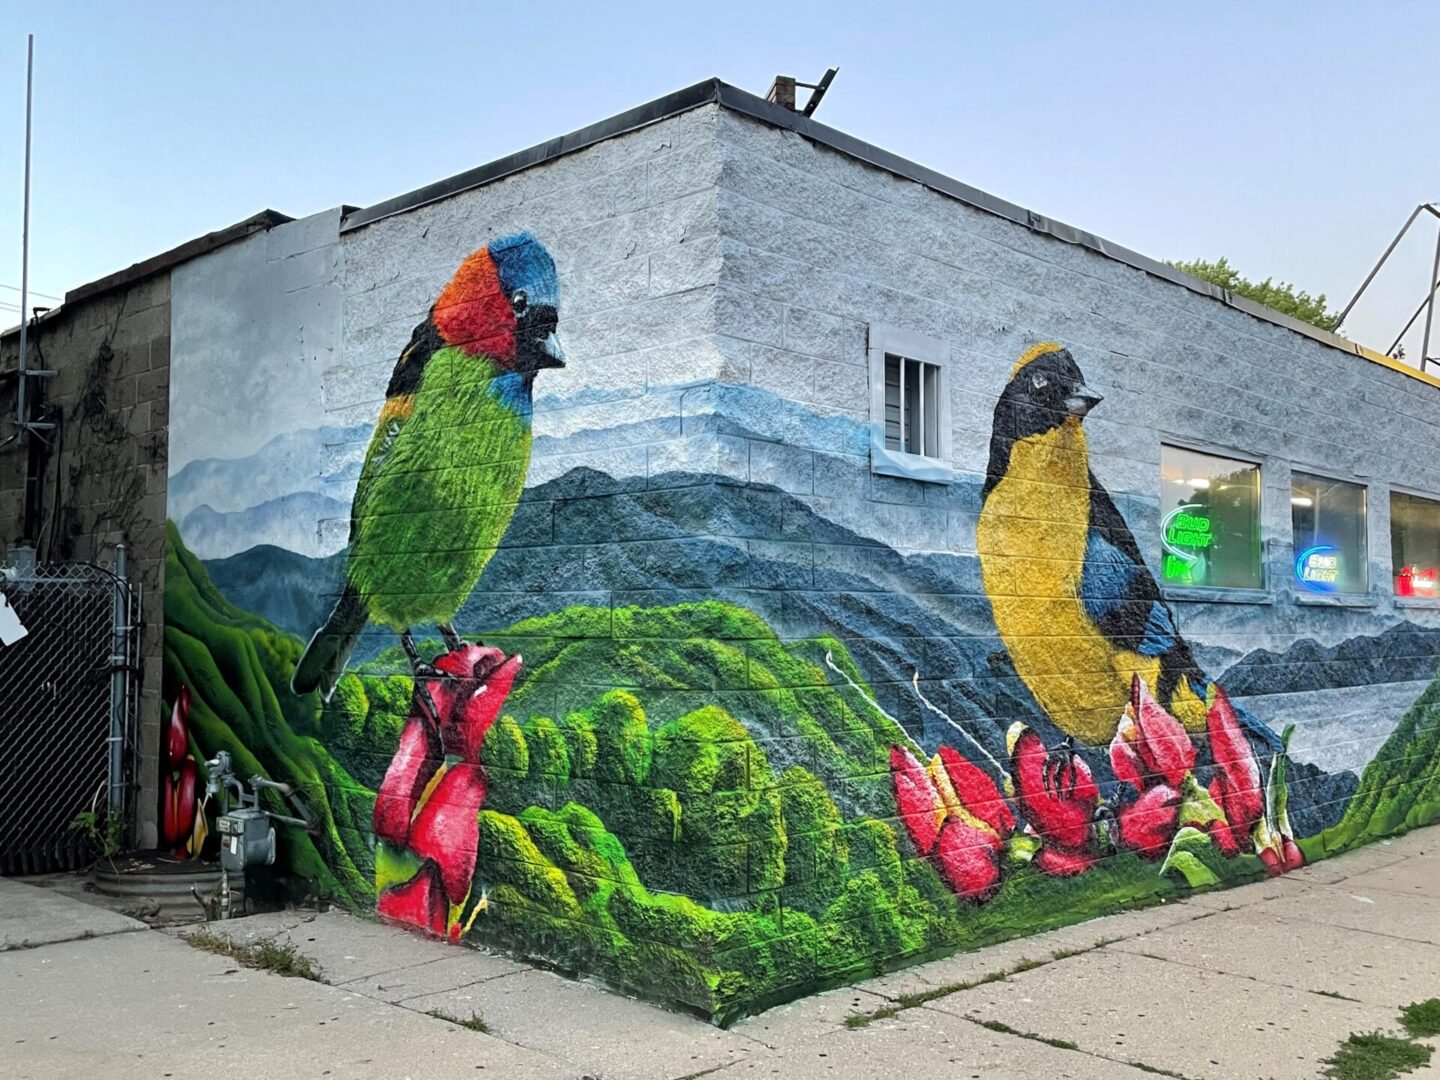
(880, 570)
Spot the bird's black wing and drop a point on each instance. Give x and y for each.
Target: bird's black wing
(1116, 587)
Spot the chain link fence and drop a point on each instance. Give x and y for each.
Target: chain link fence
(68, 698)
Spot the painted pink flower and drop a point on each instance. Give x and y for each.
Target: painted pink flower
(1059, 798)
(1152, 753)
(430, 807)
(1236, 787)
(954, 813)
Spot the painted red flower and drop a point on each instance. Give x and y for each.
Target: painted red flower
(954, 813)
(182, 825)
(1236, 787)
(1059, 798)
(1281, 856)
(430, 799)
(1152, 753)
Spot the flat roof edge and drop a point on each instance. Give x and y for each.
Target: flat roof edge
(692, 97)
(768, 112)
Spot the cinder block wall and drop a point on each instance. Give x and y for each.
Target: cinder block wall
(105, 483)
(819, 245)
(721, 776)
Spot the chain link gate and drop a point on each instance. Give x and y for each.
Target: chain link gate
(68, 699)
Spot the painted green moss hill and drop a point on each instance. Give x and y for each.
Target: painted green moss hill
(679, 801)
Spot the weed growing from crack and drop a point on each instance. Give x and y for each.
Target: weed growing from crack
(1156, 1070)
(996, 1025)
(476, 1022)
(266, 955)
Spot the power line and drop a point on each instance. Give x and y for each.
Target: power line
(33, 292)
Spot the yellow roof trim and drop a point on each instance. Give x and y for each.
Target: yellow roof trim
(1396, 365)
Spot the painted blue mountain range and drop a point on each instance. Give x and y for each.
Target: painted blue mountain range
(287, 464)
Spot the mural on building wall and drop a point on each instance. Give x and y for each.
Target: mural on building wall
(728, 771)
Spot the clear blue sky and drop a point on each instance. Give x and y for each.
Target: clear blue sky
(1293, 138)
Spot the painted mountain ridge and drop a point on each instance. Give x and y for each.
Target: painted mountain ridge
(287, 464)
(291, 522)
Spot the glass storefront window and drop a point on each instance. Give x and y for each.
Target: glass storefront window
(1329, 527)
(1209, 520)
(1415, 544)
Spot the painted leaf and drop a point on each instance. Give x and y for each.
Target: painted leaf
(1186, 859)
(1196, 874)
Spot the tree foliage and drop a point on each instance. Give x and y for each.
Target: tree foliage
(1279, 295)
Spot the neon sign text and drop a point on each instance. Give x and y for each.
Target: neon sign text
(1318, 568)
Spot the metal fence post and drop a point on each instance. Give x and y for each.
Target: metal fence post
(119, 664)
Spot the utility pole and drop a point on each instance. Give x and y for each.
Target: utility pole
(24, 416)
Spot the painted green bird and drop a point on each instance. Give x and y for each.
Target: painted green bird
(446, 465)
(1077, 608)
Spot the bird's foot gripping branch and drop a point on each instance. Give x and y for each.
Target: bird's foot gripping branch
(426, 812)
(1054, 815)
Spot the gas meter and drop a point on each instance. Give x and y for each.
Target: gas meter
(247, 831)
(246, 839)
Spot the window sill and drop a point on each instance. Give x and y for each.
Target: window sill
(1201, 594)
(1418, 601)
(885, 462)
(1345, 600)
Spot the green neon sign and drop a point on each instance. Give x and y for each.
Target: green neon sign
(1185, 533)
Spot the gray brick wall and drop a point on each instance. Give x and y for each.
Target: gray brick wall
(111, 355)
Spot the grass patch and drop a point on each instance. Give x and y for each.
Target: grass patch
(1333, 994)
(476, 1022)
(1373, 1056)
(1065, 954)
(1059, 1044)
(1157, 1070)
(1422, 1018)
(920, 997)
(266, 955)
(1026, 964)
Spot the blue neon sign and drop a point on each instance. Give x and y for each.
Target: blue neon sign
(1318, 568)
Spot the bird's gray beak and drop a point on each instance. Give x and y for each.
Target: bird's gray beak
(551, 348)
(1081, 400)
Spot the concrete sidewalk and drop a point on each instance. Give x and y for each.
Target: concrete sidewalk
(1262, 981)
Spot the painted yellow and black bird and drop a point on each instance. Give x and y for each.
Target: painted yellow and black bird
(446, 465)
(1078, 611)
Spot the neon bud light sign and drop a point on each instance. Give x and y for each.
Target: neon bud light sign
(1185, 534)
(1318, 568)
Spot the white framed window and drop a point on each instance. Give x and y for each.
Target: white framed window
(909, 405)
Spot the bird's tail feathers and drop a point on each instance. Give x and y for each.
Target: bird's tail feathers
(324, 659)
